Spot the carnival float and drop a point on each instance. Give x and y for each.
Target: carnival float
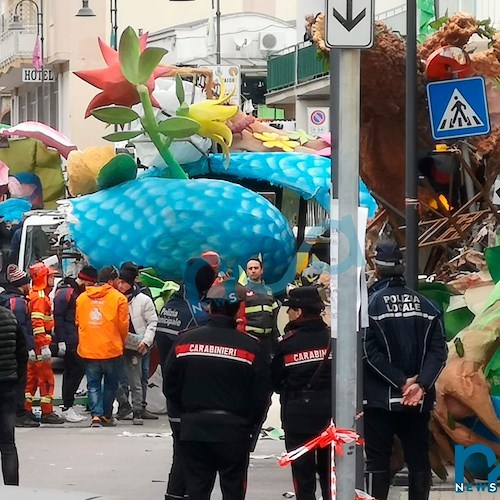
(184, 203)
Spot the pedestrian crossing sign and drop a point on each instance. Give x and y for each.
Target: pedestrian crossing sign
(458, 108)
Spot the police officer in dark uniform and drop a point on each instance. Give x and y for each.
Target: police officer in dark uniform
(187, 309)
(219, 379)
(404, 350)
(302, 376)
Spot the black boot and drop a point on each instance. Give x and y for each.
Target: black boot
(377, 484)
(419, 485)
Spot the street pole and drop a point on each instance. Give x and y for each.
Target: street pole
(39, 13)
(411, 195)
(347, 286)
(217, 16)
(113, 11)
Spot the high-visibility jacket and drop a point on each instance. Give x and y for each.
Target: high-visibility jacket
(42, 318)
(261, 310)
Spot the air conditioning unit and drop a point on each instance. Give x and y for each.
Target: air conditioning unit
(271, 41)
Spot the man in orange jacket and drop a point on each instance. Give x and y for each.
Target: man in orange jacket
(102, 318)
(40, 374)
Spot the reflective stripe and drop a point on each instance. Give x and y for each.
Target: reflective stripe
(39, 315)
(167, 330)
(38, 330)
(46, 399)
(28, 396)
(259, 308)
(254, 329)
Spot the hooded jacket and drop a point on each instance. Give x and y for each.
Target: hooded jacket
(12, 298)
(65, 310)
(102, 319)
(405, 338)
(187, 308)
(143, 315)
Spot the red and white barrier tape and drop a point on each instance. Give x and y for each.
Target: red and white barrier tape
(336, 439)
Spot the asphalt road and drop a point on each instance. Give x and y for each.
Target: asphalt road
(123, 463)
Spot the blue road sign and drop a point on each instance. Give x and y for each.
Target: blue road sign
(458, 108)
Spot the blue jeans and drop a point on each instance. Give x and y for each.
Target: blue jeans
(102, 382)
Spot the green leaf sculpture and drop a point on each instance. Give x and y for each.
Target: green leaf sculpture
(119, 169)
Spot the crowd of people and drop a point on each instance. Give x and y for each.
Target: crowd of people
(221, 357)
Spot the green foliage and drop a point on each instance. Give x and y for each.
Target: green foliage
(485, 29)
(148, 61)
(441, 21)
(129, 53)
(324, 58)
(179, 90)
(115, 115)
(183, 109)
(459, 347)
(178, 127)
(123, 136)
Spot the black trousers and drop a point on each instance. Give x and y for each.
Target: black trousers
(411, 427)
(304, 469)
(8, 450)
(74, 370)
(163, 343)
(20, 395)
(176, 485)
(203, 460)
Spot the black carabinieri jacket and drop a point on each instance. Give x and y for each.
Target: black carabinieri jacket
(219, 380)
(405, 339)
(304, 347)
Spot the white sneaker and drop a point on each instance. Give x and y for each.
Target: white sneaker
(71, 416)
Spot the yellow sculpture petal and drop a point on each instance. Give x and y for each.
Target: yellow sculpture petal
(272, 140)
(84, 166)
(212, 116)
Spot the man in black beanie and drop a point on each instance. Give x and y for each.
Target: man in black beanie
(66, 333)
(404, 350)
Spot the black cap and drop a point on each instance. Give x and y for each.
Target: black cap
(229, 292)
(108, 273)
(388, 254)
(304, 297)
(128, 275)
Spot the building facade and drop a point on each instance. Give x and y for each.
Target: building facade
(297, 80)
(70, 44)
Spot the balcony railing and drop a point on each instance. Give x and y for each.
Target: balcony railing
(16, 45)
(294, 65)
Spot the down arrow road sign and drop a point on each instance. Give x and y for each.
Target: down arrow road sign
(349, 24)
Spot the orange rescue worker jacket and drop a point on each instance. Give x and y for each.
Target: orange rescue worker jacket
(41, 317)
(102, 317)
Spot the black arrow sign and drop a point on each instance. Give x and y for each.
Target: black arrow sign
(348, 22)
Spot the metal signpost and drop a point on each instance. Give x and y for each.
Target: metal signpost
(349, 27)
